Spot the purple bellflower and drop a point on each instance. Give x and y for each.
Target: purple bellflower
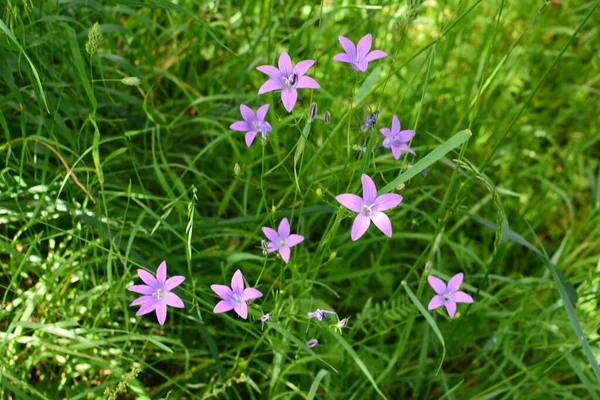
(157, 293)
(449, 295)
(359, 56)
(236, 297)
(312, 343)
(287, 78)
(281, 240)
(320, 314)
(396, 139)
(252, 123)
(369, 208)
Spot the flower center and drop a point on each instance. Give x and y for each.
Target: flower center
(237, 299)
(447, 297)
(282, 243)
(357, 58)
(367, 210)
(396, 141)
(290, 82)
(160, 294)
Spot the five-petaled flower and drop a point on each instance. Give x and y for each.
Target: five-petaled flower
(358, 56)
(449, 295)
(396, 139)
(287, 78)
(236, 297)
(157, 293)
(369, 208)
(252, 123)
(281, 240)
(320, 314)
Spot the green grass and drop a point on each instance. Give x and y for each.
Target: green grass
(101, 176)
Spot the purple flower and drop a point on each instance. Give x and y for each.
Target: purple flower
(252, 123)
(312, 343)
(265, 318)
(369, 208)
(287, 78)
(320, 314)
(358, 56)
(236, 297)
(396, 139)
(449, 295)
(281, 240)
(343, 322)
(157, 292)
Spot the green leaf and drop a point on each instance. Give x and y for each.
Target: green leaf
(315, 385)
(434, 156)
(79, 65)
(367, 85)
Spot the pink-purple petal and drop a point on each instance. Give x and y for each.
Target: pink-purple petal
(375, 55)
(249, 137)
(142, 289)
(285, 254)
(360, 226)
(382, 222)
(261, 113)
(362, 66)
(222, 291)
(251, 293)
(350, 201)
(303, 66)
(306, 82)
(342, 57)
(161, 313)
(396, 152)
(462, 297)
(270, 70)
(242, 310)
(270, 233)
(385, 131)
(436, 301)
(364, 45)
(147, 277)
(174, 301)
(148, 307)
(451, 308)
(284, 228)
(270, 86)
(289, 98)
(395, 124)
(161, 272)
(437, 284)
(237, 282)
(247, 113)
(173, 282)
(455, 282)
(141, 300)
(223, 306)
(369, 189)
(285, 64)
(294, 240)
(387, 201)
(406, 135)
(241, 126)
(348, 46)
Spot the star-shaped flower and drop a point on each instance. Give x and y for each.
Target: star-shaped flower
(358, 56)
(449, 295)
(396, 139)
(252, 123)
(281, 240)
(287, 78)
(157, 293)
(236, 297)
(320, 314)
(369, 208)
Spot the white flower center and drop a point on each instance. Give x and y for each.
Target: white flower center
(160, 294)
(367, 210)
(290, 82)
(357, 58)
(281, 243)
(447, 297)
(237, 299)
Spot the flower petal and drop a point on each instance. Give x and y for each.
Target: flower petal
(348, 46)
(249, 138)
(375, 55)
(293, 240)
(303, 66)
(406, 135)
(148, 307)
(437, 284)
(262, 112)
(272, 247)
(141, 300)
(271, 234)
(161, 273)
(396, 152)
(270, 86)
(395, 124)
(360, 226)
(306, 82)
(147, 277)
(351, 201)
(284, 228)
(270, 70)
(342, 57)
(404, 147)
(173, 282)
(241, 126)
(222, 291)
(161, 313)
(289, 98)
(285, 64)
(361, 66)
(242, 310)
(364, 45)
(237, 282)
(223, 306)
(455, 282)
(174, 301)
(436, 301)
(383, 222)
(451, 308)
(387, 201)
(251, 293)
(142, 289)
(247, 113)
(285, 254)
(385, 131)
(462, 297)
(369, 189)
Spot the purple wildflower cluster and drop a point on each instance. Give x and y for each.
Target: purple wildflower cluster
(287, 78)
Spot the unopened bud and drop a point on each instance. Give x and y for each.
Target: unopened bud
(237, 169)
(400, 187)
(313, 111)
(327, 117)
(428, 266)
(130, 81)
(319, 192)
